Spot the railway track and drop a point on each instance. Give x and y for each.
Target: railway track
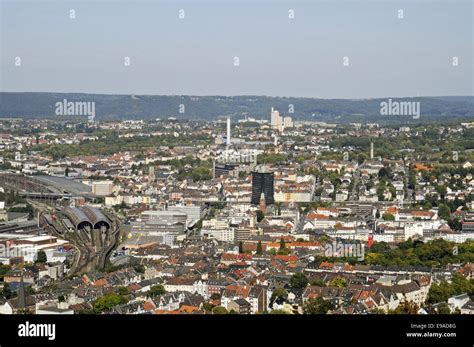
(91, 251)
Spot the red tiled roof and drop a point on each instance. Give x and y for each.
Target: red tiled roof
(188, 309)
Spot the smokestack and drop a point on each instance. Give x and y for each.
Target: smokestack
(228, 131)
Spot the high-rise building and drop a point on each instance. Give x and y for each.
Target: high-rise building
(262, 182)
(278, 122)
(287, 122)
(275, 119)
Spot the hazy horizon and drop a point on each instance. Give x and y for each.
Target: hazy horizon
(278, 56)
(243, 95)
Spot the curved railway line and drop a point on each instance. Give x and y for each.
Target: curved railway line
(92, 248)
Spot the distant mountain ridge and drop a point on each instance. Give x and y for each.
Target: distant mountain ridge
(116, 107)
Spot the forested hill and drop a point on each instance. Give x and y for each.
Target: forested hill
(107, 107)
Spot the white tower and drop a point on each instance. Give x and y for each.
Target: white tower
(371, 150)
(228, 132)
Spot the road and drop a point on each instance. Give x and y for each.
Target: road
(355, 184)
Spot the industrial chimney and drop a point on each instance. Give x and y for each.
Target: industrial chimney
(228, 131)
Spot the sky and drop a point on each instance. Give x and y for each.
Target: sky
(302, 56)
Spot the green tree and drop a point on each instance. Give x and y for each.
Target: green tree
(207, 306)
(408, 307)
(443, 308)
(384, 173)
(441, 190)
(379, 247)
(444, 212)
(282, 244)
(123, 290)
(271, 158)
(259, 247)
(279, 293)
(6, 292)
(29, 290)
(156, 290)
(377, 311)
(219, 310)
(380, 190)
(411, 181)
(338, 282)
(298, 280)
(317, 306)
(139, 268)
(260, 216)
(318, 282)
(284, 251)
(440, 292)
(388, 217)
(41, 257)
(361, 158)
(3, 270)
(455, 224)
(106, 302)
(278, 312)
